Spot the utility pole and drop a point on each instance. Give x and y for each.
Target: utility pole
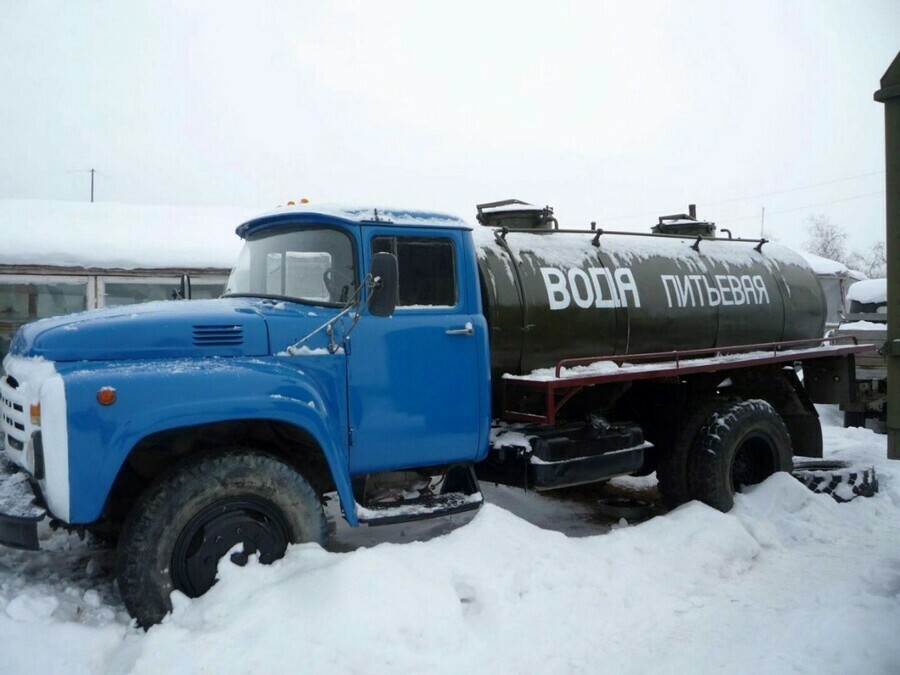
(889, 95)
(94, 173)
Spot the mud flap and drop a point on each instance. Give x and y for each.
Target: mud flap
(19, 514)
(831, 380)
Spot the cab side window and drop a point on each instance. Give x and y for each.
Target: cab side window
(427, 273)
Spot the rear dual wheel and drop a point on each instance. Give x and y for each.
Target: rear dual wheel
(742, 443)
(722, 446)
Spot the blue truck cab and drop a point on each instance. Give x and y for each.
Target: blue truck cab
(289, 388)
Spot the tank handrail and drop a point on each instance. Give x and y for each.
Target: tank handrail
(503, 231)
(676, 355)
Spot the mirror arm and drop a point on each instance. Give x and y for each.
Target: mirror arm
(369, 283)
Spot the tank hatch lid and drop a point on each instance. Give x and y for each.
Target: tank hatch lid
(685, 224)
(515, 214)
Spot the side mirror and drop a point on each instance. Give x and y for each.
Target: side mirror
(185, 286)
(384, 293)
(184, 290)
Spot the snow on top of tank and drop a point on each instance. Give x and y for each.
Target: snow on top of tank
(118, 236)
(868, 292)
(567, 249)
(396, 215)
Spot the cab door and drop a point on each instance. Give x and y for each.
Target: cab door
(418, 379)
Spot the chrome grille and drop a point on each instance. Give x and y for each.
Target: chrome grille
(13, 412)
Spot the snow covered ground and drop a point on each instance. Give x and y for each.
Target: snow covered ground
(788, 582)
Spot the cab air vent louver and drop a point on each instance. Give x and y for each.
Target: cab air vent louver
(218, 336)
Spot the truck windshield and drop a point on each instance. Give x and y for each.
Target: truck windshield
(312, 265)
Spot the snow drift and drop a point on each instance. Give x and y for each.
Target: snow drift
(787, 581)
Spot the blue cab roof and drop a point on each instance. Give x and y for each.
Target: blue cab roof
(323, 215)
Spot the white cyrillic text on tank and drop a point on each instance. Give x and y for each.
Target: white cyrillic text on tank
(724, 289)
(595, 287)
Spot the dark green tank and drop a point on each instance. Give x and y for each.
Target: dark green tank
(551, 294)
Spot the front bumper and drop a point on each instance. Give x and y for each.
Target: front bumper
(19, 512)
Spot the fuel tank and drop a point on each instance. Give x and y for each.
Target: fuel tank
(551, 294)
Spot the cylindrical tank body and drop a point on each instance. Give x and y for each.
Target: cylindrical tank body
(550, 295)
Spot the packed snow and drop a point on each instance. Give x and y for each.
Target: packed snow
(863, 325)
(868, 292)
(788, 581)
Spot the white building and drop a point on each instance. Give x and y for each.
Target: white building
(835, 279)
(58, 257)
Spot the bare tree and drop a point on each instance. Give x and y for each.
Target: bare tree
(825, 238)
(872, 263)
(828, 240)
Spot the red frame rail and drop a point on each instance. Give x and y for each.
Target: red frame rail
(667, 365)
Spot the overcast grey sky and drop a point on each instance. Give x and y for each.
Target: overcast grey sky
(602, 109)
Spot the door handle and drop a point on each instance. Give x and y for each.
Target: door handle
(468, 329)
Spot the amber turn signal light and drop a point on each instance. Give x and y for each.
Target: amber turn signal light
(106, 396)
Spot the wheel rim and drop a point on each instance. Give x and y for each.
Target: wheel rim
(754, 461)
(215, 530)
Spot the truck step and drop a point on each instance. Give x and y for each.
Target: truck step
(456, 491)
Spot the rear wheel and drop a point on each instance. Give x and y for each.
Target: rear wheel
(673, 453)
(742, 443)
(195, 514)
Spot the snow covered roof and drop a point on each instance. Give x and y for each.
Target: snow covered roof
(362, 214)
(122, 236)
(868, 291)
(824, 266)
(109, 235)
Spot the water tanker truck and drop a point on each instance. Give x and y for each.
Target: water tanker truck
(391, 360)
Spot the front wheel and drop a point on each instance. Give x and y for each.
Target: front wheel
(742, 443)
(196, 513)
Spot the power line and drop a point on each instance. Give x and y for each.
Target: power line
(808, 206)
(802, 187)
(757, 196)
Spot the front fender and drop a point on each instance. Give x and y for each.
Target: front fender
(307, 392)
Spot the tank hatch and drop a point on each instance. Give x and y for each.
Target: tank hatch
(685, 224)
(515, 214)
